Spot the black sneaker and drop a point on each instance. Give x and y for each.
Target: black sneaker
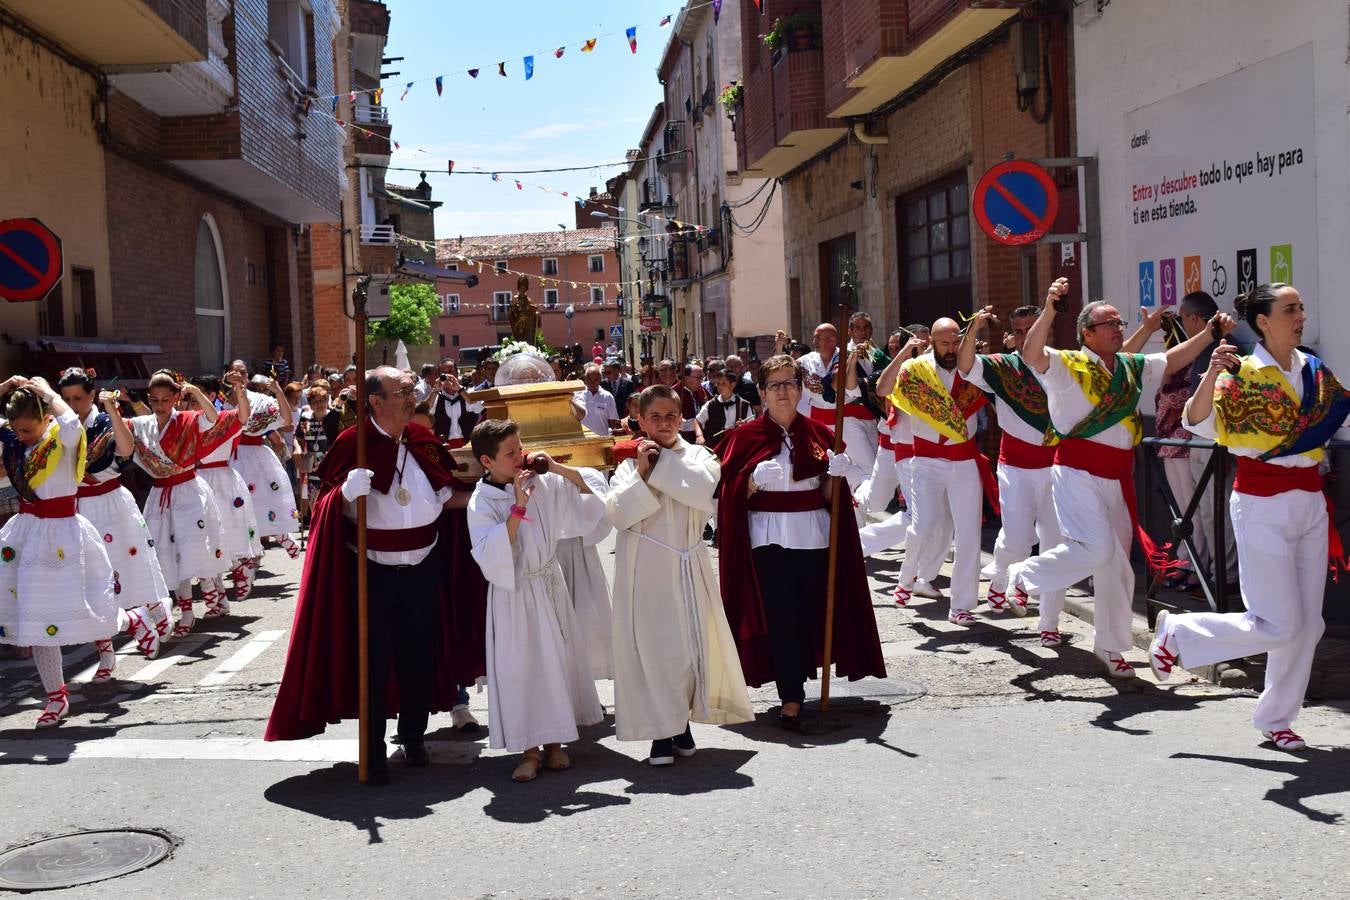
(684, 744)
(663, 753)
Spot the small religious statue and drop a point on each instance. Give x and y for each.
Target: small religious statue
(524, 317)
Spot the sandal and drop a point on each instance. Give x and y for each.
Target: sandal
(528, 770)
(557, 760)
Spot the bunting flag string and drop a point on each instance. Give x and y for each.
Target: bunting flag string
(586, 46)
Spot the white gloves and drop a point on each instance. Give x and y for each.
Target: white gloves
(767, 474)
(357, 484)
(840, 466)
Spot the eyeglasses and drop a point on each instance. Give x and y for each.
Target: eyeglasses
(775, 386)
(405, 392)
(1110, 323)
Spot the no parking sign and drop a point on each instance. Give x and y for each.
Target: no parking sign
(1015, 202)
(30, 260)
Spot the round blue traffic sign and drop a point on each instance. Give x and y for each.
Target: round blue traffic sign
(1015, 202)
(30, 260)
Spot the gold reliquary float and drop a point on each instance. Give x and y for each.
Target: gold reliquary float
(527, 393)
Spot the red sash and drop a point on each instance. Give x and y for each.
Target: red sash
(218, 464)
(98, 488)
(786, 501)
(250, 440)
(1115, 464)
(395, 540)
(903, 451)
(965, 450)
(55, 508)
(1013, 451)
(166, 486)
(1262, 479)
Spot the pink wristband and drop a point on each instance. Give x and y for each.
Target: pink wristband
(519, 512)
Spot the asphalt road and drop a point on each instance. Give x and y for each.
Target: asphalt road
(1019, 771)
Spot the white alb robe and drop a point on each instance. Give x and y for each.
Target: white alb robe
(539, 689)
(674, 656)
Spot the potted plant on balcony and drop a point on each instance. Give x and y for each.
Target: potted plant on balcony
(730, 98)
(797, 28)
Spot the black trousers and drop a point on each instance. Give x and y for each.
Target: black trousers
(404, 611)
(792, 583)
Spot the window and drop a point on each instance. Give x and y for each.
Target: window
(835, 255)
(453, 267)
(290, 29)
(501, 305)
(454, 340)
(442, 339)
(596, 264)
(597, 295)
(933, 225)
(599, 335)
(550, 267)
(209, 291)
(85, 302)
(449, 304)
(52, 314)
(551, 298)
(500, 266)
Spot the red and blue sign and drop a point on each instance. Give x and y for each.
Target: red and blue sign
(1015, 202)
(30, 260)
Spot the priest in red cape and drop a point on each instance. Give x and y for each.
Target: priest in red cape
(427, 598)
(773, 521)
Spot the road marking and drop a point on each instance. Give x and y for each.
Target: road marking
(226, 749)
(241, 658)
(156, 666)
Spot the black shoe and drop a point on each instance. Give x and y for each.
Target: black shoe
(684, 744)
(415, 755)
(377, 776)
(663, 753)
(790, 723)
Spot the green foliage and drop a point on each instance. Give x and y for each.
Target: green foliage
(412, 310)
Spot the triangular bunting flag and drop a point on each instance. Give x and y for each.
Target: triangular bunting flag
(335, 99)
(496, 177)
(519, 186)
(407, 87)
(379, 93)
(396, 143)
(665, 20)
(557, 54)
(473, 73)
(717, 10)
(351, 97)
(450, 169)
(631, 34)
(529, 67)
(438, 84)
(564, 193)
(588, 46)
(501, 69)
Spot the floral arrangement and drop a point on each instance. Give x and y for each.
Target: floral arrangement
(731, 95)
(511, 347)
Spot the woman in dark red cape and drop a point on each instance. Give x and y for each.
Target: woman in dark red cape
(319, 683)
(857, 647)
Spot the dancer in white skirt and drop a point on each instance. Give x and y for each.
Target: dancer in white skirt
(238, 519)
(138, 583)
(181, 511)
(268, 483)
(56, 584)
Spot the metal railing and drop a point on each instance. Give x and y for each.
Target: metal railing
(377, 234)
(367, 114)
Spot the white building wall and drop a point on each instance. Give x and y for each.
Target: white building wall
(1135, 53)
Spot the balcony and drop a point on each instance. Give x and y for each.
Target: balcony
(897, 58)
(380, 235)
(651, 195)
(122, 32)
(368, 114)
(369, 17)
(188, 88)
(789, 127)
(372, 140)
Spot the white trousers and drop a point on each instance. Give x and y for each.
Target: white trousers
(1028, 518)
(1096, 530)
(941, 486)
(875, 494)
(860, 441)
(1204, 521)
(1283, 544)
(891, 531)
(1181, 478)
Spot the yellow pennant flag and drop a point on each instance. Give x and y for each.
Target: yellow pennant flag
(588, 46)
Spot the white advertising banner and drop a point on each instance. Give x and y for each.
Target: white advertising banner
(1223, 192)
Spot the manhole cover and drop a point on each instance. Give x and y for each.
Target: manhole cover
(82, 858)
(892, 690)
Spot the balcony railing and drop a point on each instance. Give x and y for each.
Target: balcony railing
(367, 114)
(377, 234)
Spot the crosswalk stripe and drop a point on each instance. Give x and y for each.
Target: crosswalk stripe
(241, 658)
(182, 646)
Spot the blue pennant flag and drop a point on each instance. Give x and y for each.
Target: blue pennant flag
(529, 67)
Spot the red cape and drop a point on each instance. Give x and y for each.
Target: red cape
(857, 648)
(320, 685)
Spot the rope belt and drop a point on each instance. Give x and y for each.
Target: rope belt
(549, 573)
(693, 621)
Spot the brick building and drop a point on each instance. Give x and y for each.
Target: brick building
(567, 267)
(204, 163)
(879, 117)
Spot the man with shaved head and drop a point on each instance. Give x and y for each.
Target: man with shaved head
(1093, 398)
(820, 370)
(946, 466)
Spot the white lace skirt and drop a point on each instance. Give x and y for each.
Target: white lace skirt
(56, 584)
(238, 520)
(186, 532)
(137, 578)
(270, 488)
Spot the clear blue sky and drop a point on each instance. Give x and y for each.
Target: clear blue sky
(582, 109)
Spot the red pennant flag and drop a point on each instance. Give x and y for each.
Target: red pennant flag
(631, 33)
(351, 98)
(559, 52)
(473, 73)
(519, 186)
(450, 168)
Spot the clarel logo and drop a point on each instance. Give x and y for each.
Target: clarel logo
(1139, 140)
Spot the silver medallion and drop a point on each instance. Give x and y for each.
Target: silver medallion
(402, 496)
